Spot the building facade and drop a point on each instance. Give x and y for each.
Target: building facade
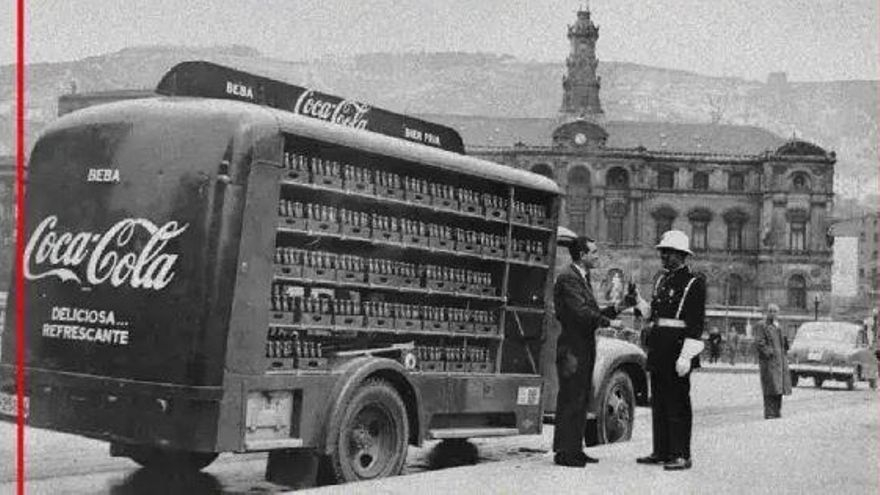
(858, 237)
(756, 207)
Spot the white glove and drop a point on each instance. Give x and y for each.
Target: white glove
(689, 350)
(643, 308)
(682, 366)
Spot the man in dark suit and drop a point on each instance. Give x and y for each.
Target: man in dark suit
(580, 316)
(676, 313)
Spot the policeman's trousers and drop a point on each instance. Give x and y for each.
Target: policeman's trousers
(671, 414)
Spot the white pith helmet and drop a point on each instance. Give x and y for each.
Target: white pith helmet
(675, 239)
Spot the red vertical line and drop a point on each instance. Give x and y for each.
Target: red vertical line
(19, 245)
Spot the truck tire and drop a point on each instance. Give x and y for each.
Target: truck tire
(794, 379)
(169, 460)
(615, 412)
(850, 383)
(372, 437)
(818, 381)
(872, 382)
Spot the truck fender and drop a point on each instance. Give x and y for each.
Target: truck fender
(355, 372)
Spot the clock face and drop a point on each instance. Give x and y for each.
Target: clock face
(580, 138)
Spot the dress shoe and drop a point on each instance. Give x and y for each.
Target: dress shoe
(677, 464)
(575, 459)
(652, 459)
(590, 460)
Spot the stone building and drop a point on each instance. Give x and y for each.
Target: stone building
(755, 206)
(857, 298)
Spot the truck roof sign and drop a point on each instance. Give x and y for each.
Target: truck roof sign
(209, 80)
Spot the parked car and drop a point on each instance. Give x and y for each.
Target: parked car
(832, 350)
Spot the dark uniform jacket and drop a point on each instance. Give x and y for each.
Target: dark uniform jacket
(578, 313)
(678, 308)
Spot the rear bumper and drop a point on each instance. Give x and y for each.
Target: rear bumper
(822, 369)
(117, 410)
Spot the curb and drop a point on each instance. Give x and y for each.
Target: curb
(730, 370)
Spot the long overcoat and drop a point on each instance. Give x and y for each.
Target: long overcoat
(775, 377)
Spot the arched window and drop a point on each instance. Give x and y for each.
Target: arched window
(800, 182)
(797, 292)
(735, 220)
(736, 182)
(664, 218)
(734, 290)
(617, 178)
(700, 218)
(543, 169)
(578, 199)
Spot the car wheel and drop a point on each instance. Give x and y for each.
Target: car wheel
(850, 383)
(872, 382)
(169, 460)
(616, 411)
(794, 380)
(372, 437)
(818, 381)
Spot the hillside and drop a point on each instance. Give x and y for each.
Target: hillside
(840, 116)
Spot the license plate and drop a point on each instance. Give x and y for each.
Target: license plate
(815, 356)
(528, 396)
(8, 403)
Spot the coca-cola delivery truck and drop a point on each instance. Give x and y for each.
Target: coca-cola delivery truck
(236, 264)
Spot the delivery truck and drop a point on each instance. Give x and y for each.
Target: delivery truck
(239, 264)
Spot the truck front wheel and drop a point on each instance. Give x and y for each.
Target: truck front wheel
(372, 436)
(615, 412)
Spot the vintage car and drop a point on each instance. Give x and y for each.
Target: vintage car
(620, 379)
(832, 350)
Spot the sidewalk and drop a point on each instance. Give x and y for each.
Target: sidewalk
(834, 451)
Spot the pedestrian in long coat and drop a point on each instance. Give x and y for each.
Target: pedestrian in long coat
(775, 377)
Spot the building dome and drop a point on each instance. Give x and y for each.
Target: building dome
(797, 147)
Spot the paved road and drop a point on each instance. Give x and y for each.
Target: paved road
(60, 463)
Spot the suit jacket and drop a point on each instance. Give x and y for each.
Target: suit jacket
(775, 377)
(578, 313)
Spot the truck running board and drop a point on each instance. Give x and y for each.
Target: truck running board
(472, 432)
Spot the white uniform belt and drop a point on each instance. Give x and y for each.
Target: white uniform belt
(670, 323)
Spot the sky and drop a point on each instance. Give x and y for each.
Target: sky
(811, 40)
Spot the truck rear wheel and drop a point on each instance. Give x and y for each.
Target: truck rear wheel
(169, 460)
(372, 437)
(794, 379)
(615, 412)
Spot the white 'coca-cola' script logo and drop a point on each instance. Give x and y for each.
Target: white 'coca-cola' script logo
(347, 112)
(108, 257)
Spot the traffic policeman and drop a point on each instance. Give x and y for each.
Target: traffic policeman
(676, 313)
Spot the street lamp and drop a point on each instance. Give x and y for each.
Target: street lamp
(816, 306)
